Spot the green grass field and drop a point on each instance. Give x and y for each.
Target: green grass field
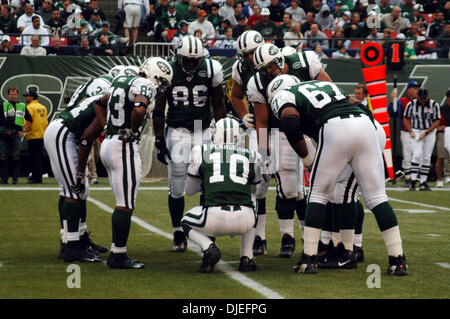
(29, 244)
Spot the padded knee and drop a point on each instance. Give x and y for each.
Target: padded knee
(177, 179)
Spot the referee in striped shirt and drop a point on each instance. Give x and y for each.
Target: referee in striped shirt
(421, 118)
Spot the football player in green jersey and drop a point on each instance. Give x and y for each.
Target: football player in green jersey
(197, 82)
(62, 139)
(226, 174)
(347, 136)
(288, 169)
(243, 69)
(95, 86)
(124, 108)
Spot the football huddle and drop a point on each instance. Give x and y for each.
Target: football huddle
(288, 117)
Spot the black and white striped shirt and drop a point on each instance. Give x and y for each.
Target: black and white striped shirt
(422, 117)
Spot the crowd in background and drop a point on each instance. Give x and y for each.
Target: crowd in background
(424, 26)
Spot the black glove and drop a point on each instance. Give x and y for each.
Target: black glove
(80, 185)
(127, 135)
(162, 150)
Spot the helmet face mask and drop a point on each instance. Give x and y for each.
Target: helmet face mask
(190, 54)
(158, 71)
(189, 64)
(247, 43)
(272, 69)
(247, 57)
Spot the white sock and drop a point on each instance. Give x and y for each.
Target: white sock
(311, 240)
(393, 241)
(64, 236)
(325, 237)
(357, 240)
(61, 233)
(261, 226)
(347, 236)
(247, 243)
(82, 229)
(286, 226)
(75, 236)
(200, 239)
(178, 229)
(423, 178)
(119, 250)
(336, 237)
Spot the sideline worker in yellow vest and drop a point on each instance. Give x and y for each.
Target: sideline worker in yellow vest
(35, 135)
(12, 118)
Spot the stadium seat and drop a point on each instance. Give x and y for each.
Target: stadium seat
(394, 34)
(277, 23)
(64, 41)
(355, 44)
(429, 17)
(328, 33)
(171, 33)
(15, 40)
(431, 44)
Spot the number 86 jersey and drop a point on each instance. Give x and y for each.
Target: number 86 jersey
(122, 93)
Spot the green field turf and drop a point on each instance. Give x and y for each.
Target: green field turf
(29, 244)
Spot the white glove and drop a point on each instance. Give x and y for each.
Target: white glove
(249, 120)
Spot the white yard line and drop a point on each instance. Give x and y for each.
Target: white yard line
(222, 265)
(444, 265)
(409, 211)
(418, 204)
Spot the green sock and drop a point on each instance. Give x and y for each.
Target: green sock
(285, 208)
(300, 208)
(385, 216)
(121, 222)
(359, 218)
(348, 213)
(315, 215)
(72, 212)
(61, 210)
(176, 209)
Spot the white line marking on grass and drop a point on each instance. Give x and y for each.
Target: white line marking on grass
(433, 235)
(418, 204)
(444, 265)
(225, 267)
(1, 265)
(409, 211)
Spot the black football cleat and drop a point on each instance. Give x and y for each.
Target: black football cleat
(86, 242)
(122, 261)
(412, 186)
(359, 253)
(306, 265)
(397, 266)
(247, 264)
(211, 257)
(287, 246)
(424, 187)
(339, 259)
(259, 246)
(74, 254)
(179, 242)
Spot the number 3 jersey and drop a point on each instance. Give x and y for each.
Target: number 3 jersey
(227, 173)
(315, 100)
(190, 94)
(122, 93)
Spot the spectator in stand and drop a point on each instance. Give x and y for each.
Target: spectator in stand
(105, 48)
(297, 12)
(338, 39)
(67, 10)
(315, 6)
(309, 20)
(443, 42)
(386, 36)
(206, 6)
(256, 16)
(239, 28)
(162, 8)
(446, 9)
(214, 16)
(341, 53)
(276, 11)
(6, 46)
(442, 167)
(161, 11)
(293, 38)
(227, 11)
(248, 9)
(95, 21)
(7, 21)
(353, 29)
(282, 29)
(34, 48)
(360, 94)
(315, 36)
(56, 48)
(324, 18)
(133, 17)
(204, 25)
(106, 30)
(237, 7)
(263, 3)
(55, 24)
(91, 8)
(394, 20)
(223, 26)
(385, 7)
(422, 51)
(407, 8)
(183, 27)
(24, 20)
(436, 28)
(84, 49)
(169, 20)
(35, 28)
(341, 21)
(182, 7)
(409, 52)
(413, 31)
(374, 34)
(46, 10)
(265, 26)
(371, 17)
(318, 49)
(227, 41)
(418, 18)
(192, 14)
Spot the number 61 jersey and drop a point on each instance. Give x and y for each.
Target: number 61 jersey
(189, 95)
(227, 172)
(122, 93)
